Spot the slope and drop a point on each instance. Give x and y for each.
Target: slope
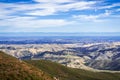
(64, 73)
(14, 69)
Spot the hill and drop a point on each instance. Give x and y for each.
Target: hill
(65, 73)
(14, 69)
(96, 55)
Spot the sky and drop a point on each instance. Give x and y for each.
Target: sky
(59, 15)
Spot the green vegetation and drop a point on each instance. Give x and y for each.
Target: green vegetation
(65, 73)
(14, 69)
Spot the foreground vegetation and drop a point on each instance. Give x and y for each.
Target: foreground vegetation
(65, 73)
(14, 69)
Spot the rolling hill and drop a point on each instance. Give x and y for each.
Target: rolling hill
(14, 69)
(65, 73)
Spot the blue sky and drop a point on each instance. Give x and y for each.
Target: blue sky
(59, 15)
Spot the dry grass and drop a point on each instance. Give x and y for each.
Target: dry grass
(13, 69)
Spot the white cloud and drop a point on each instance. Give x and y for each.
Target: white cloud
(52, 8)
(30, 22)
(54, 1)
(48, 7)
(77, 6)
(45, 12)
(109, 6)
(11, 13)
(93, 18)
(118, 10)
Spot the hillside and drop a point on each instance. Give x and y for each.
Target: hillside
(65, 73)
(102, 55)
(14, 69)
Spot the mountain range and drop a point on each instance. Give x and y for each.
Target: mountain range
(101, 56)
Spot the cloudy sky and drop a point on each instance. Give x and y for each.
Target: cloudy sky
(59, 15)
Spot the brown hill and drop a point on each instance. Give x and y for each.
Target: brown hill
(14, 69)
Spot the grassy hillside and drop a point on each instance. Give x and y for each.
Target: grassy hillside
(14, 69)
(64, 73)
